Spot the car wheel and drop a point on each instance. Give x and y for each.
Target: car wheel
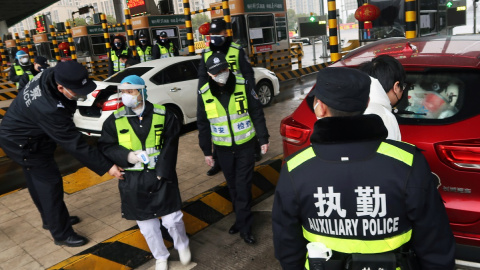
(264, 91)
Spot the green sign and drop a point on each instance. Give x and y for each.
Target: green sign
(97, 29)
(165, 20)
(449, 4)
(264, 6)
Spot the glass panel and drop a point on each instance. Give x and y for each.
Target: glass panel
(98, 45)
(261, 29)
(82, 46)
(118, 77)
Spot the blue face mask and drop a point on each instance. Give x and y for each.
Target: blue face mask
(217, 40)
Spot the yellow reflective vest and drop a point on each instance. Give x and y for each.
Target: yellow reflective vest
(145, 55)
(128, 139)
(19, 71)
(232, 125)
(164, 52)
(117, 65)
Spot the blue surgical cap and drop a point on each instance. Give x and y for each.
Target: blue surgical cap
(134, 79)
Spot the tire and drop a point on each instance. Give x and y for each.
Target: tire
(265, 93)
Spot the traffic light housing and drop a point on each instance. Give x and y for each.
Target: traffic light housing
(312, 17)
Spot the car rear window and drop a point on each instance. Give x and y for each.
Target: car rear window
(439, 96)
(118, 77)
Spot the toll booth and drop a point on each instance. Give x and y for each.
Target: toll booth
(262, 30)
(153, 25)
(11, 50)
(90, 43)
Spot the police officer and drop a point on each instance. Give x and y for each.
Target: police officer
(230, 115)
(35, 123)
(39, 64)
(239, 64)
(364, 197)
(144, 48)
(118, 48)
(22, 65)
(165, 47)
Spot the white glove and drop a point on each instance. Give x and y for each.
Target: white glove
(133, 159)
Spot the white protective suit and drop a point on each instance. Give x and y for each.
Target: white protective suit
(380, 105)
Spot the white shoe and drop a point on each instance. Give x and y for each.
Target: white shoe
(185, 255)
(161, 265)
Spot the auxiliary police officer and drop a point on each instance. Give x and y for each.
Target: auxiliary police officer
(230, 116)
(40, 63)
(165, 47)
(21, 66)
(40, 118)
(144, 48)
(118, 48)
(238, 62)
(366, 198)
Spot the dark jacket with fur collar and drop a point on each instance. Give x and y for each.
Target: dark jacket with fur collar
(322, 187)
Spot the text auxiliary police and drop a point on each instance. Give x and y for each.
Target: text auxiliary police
(371, 200)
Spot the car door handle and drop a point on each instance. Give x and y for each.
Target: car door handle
(175, 89)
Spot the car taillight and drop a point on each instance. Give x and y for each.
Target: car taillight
(95, 93)
(460, 155)
(294, 132)
(112, 104)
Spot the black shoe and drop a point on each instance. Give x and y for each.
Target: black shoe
(73, 240)
(233, 230)
(214, 170)
(248, 238)
(72, 219)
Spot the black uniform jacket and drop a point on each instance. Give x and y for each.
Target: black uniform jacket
(347, 162)
(12, 75)
(38, 119)
(143, 196)
(255, 110)
(245, 68)
(25, 78)
(156, 50)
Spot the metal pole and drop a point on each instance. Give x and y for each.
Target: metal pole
(410, 19)
(323, 38)
(474, 17)
(73, 52)
(312, 40)
(188, 24)
(53, 34)
(4, 59)
(131, 40)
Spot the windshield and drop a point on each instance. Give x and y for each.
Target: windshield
(139, 71)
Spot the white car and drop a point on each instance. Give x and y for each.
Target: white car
(172, 82)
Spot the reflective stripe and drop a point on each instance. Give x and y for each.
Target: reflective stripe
(238, 116)
(204, 88)
(165, 53)
(240, 80)
(144, 56)
(120, 113)
(117, 65)
(159, 111)
(395, 152)
(360, 246)
(236, 46)
(220, 130)
(219, 119)
(300, 158)
(222, 139)
(244, 135)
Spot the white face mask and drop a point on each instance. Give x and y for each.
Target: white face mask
(130, 100)
(314, 107)
(24, 60)
(222, 77)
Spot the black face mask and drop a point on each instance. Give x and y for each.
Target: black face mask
(118, 44)
(163, 41)
(143, 41)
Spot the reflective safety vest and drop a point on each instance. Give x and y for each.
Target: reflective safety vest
(19, 71)
(145, 55)
(164, 52)
(350, 246)
(128, 139)
(117, 65)
(232, 57)
(235, 122)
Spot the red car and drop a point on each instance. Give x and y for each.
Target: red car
(439, 114)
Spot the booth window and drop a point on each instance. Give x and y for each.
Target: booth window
(239, 32)
(261, 29)
(98, 45)
(82, 46)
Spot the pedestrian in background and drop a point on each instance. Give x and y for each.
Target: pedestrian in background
(364, 202)
(40, 63)
(164, 47)
(35, 123)
(230, 115)
(144, 48)
(21, 65)
(118, 48)
(150, 189)
(387, 91)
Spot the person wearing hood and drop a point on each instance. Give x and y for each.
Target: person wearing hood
(164, 47)
(118, 48)
(38, 120)
(386, 90)
(40, 63)
(142, 138)
(354, 199)
(144, 48)
(22, 65)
